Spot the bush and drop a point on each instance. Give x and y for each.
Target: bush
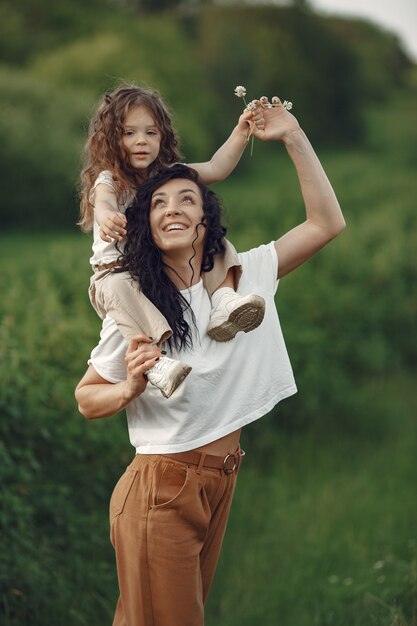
(285, 52)
(41, 132)
(50, 524)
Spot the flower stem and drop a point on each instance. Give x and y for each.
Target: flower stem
(250, 133)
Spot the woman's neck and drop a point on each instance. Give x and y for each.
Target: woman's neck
(184, 273)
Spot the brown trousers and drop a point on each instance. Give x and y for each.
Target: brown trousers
(167, 520)
(117, 295)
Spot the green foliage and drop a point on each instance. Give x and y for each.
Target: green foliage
(323, 528)
(287, 52)
(380, 58)
(61, 58)
(40, 133)
(25, 32)
(51, 524)
(155, 7)
(96, 64)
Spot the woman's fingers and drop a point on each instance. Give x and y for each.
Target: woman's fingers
(141, 355)
(138, 341)
(265, 104)
(276, 102)
(139, 367)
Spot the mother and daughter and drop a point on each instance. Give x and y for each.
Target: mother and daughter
(131, 138)
(169, 510)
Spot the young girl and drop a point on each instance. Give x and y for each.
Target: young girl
(130, 138)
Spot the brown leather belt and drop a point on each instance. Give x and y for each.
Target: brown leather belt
(229, 463)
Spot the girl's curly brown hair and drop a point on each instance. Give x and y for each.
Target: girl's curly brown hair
(104, 151)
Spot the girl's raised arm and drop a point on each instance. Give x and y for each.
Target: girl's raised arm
(224, 161)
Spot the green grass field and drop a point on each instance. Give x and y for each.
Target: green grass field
(325, 533)
(323, 529)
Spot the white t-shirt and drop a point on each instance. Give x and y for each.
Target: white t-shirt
(104, 252)
(231, 384)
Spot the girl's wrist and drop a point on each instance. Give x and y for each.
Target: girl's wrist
(242, 129)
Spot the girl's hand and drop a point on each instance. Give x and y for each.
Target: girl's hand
(112, 226)
(141, 355)
(252, 118)
(249, 119)
(245, 123)
(278, 122)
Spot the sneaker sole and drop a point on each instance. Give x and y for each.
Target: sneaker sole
(245, 318)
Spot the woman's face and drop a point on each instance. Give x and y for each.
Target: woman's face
(141, 137)
(176, 217)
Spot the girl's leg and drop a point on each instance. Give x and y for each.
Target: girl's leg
(117, 295)
(231, 312)
(226, 272)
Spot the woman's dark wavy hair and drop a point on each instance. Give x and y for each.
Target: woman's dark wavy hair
(143, 259)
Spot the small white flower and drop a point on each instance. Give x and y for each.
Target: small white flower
(252, 105)
(287, 105)
(240, 91)
(348, 581)
(333, 579)
(379, 564)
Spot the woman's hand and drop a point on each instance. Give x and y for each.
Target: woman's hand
(141, 355)
(97, 397)
(278, 122)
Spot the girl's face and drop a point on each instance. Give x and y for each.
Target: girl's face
(141, 137)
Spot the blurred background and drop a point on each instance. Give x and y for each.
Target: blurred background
(323, 529)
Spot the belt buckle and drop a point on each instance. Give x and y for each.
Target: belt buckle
(228, 470)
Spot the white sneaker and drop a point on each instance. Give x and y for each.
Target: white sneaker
(167, 375)
(234, 313)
